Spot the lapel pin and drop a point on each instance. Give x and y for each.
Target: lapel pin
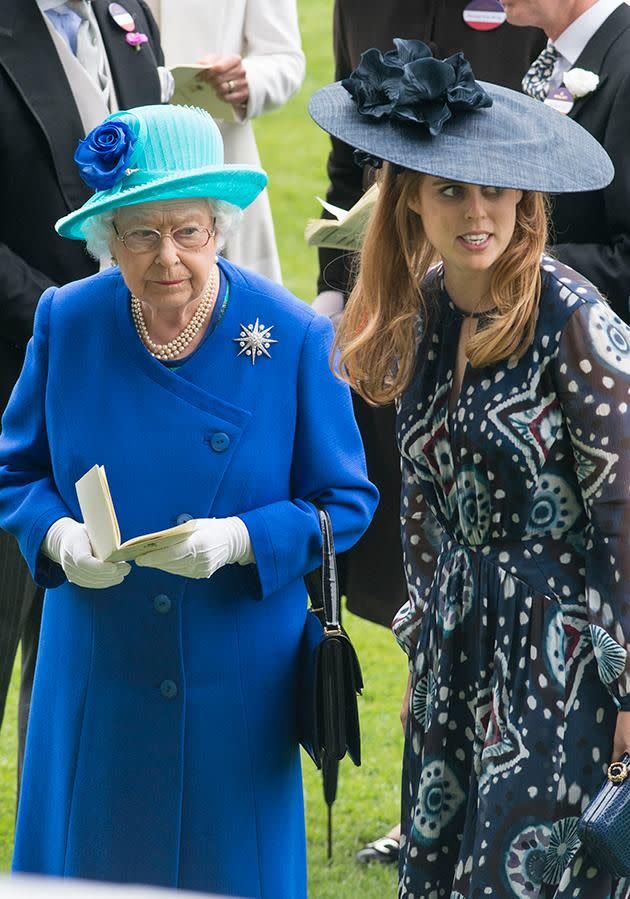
(254, 341)
(560, 99)
(121, 17)
(484, 15)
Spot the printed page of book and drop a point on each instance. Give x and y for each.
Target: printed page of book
(99, 516)
(138, 546)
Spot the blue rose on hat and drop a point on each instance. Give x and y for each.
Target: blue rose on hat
(104, 155)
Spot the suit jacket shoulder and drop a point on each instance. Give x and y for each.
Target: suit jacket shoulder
(607, 51)
(592, 230)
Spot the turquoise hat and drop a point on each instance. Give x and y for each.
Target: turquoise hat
(156, 153)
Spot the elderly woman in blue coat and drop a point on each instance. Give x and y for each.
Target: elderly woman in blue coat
(162, 741)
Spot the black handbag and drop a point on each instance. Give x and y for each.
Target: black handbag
(330, 677)
(604, 828)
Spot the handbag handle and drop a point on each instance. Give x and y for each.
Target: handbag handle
(330, 580)
(322, 584)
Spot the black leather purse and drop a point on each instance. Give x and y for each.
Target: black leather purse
(604, 828)
(330, 677)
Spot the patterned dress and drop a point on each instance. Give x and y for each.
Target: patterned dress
(516, 523)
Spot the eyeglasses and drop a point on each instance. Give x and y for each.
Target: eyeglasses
(147, 240)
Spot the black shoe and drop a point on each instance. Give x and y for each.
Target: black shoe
(384, 850)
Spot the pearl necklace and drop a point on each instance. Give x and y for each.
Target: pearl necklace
(175, 347)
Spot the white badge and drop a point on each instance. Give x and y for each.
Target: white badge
(121, 17)
(561, 99)
(484, 15)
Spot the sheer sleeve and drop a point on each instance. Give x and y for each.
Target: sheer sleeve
(421, 538)
(593, 380)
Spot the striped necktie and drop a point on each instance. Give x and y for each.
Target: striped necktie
(538, 77)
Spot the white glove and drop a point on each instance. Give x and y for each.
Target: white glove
(330, 303)
(215, 542)
(68, 544)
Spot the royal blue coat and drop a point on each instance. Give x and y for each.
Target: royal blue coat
(162, 740)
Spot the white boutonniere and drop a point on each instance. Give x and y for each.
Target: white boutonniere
(581, 82)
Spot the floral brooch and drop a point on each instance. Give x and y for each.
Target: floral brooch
(125, 20)
(136, 39)
(581, 82)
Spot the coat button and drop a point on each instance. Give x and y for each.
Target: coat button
(168, 689)
(219, 441)
(183, 518)
(162, 604)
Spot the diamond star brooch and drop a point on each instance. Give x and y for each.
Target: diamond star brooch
(254, 340)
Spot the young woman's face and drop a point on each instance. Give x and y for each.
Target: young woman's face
(469, 226)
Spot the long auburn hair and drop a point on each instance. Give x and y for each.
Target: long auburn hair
(375, 346)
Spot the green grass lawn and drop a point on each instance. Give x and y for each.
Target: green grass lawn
(294, 153)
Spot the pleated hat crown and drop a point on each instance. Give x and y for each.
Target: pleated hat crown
(155, 153)
(176, 139)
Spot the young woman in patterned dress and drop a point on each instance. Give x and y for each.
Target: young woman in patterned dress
(512, 381)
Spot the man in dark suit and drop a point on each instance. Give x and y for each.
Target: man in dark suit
(372, 571)
(592, 230)
(48, 101)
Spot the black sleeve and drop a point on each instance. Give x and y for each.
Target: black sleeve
(154, 33)
(21, 286)
(344, 175)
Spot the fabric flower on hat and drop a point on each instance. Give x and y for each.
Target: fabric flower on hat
(104, 155)
(581, 82)
(375, 84)
(409, 85)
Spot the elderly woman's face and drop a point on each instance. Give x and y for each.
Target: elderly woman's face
(168, 274)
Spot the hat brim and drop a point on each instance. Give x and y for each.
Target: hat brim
(516, 143)
(233, 184)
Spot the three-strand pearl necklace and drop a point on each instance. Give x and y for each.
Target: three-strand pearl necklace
(176, 347)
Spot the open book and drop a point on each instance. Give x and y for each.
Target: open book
(99, 516)
(192, 91)
(345, 231)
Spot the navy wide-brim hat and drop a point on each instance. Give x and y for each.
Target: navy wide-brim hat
(411, 110)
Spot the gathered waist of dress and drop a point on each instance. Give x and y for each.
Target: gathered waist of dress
(551, 566)
(535, 546)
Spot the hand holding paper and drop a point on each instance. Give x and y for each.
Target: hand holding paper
(203, 84)
(227, 76)
(67, 543)
(214, 543)
(99, 515)
(346, 229)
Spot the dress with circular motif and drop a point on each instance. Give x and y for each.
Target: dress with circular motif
(515, 512)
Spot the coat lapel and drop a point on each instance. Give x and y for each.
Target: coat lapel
(38, 84)
(593, 57)
(134, 71)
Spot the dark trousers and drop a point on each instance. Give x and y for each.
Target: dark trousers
(20, 618)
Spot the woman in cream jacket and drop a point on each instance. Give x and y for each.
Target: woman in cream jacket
(266, 37)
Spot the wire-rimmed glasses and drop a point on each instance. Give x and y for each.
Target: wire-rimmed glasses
(147, 240)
